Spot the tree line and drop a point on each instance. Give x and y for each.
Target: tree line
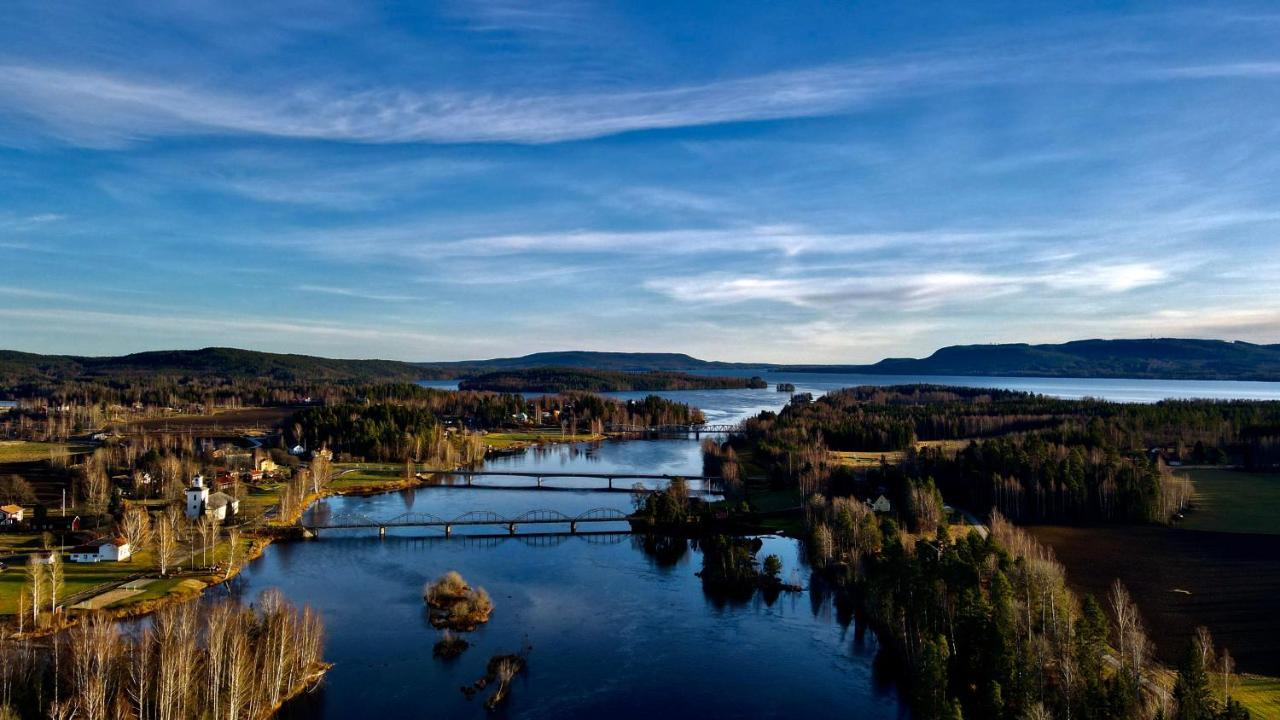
(222, 661)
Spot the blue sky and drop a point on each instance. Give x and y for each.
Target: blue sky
(776, 181)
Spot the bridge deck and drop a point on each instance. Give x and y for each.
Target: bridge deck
(563, 474)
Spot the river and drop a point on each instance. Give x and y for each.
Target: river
(615, 629)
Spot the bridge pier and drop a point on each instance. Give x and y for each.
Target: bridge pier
(511, 528)
(448, 530)
(539, 481)
(610, 483)
(382, 531)
(573, 528)
(469, 476)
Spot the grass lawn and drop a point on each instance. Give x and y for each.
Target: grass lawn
(1234, 501)
(160, 588)
(865, 459)
(23, 451)
(508, 440)
(77, 577)
(1259, 695)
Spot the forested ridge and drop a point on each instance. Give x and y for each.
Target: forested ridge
(1160, 358)
(561, 379)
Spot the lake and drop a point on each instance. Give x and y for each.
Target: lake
(616, 629)
(1117, 390)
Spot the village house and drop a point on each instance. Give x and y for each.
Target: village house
(881, 505)
(11, 514)
(105, 550)
(267, 465)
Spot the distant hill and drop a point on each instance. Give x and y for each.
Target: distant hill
(1166, 359)
(621, 361)
(19, 367)
(554, 380)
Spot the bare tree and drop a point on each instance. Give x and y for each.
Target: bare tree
(55, 579)
(233, 550)
(1131, 637)
(35, 578)
(1226, 666)
(97, 645)
(96, 486)
(135, 526)
(321, 470)
(167, 541)
(208, 530)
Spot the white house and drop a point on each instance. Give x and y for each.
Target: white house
(882, 505)
(107, 550)
(220, 506)
(10, 514)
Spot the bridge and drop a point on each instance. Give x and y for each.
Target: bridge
(348, 521)
(691, 429)
(540, 475)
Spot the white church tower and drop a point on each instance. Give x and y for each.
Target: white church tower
(197, 496)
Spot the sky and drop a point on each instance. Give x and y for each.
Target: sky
(808, 182)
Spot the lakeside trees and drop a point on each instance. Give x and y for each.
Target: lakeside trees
(226, 662)
(987, 627)
(436, 430)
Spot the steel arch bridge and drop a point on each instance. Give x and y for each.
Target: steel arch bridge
(354, 520)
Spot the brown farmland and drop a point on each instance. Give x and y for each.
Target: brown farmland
(1229, 582)
(243, 420)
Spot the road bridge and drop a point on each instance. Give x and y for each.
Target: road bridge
(353, 520)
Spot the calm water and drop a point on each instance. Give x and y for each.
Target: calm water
(616, 629)
(1070, 388)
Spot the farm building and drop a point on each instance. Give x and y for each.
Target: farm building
(881, 505)
(107, 550)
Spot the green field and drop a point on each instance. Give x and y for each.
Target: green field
(23, 451)
(1234, 501)
(1259, 695)
(507, 440)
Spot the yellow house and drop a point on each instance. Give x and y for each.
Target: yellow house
(267, 465)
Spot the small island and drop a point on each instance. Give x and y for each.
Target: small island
(558, 380)
(455, 605)
(786, 387)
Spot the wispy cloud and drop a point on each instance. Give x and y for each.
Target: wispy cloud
(918, 291)
(356, 293)
(110, 110)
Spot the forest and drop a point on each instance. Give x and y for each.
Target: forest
(430, 427)
(1034, 458)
